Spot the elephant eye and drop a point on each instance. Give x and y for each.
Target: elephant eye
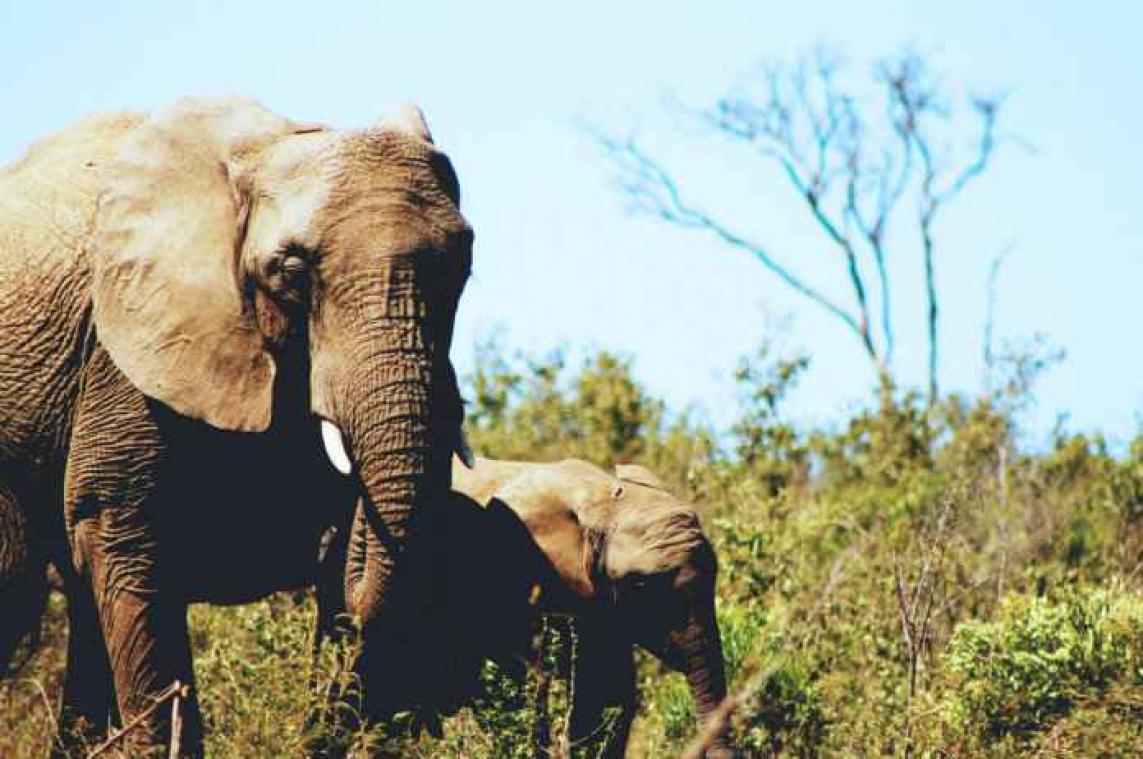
(295, 255)
(287, 274)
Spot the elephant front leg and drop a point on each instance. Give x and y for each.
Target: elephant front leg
(334, 717)
(144, 630)
(113, 499)
(88, 700)
(603, 692)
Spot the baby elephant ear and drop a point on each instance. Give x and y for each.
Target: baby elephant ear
(540, 501)
(640, 475)
(168, 302)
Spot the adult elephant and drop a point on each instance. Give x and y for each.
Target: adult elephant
(186, 299)
(628, 560)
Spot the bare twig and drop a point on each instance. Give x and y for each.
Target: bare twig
(49, 711)
(177, 721)
(914, 97)
(652, 190)
(852, 167)
(563, 749)
(718, 721)
(989, 347)
(175, 691)
(830, 118)
(915, 609)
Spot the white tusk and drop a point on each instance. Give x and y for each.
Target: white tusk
(335, 447)
(464, 451)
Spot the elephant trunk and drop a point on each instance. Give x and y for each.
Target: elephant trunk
(701, 652)
(400, 462)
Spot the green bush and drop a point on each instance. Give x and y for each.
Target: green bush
(1037, 660)
(784, 717)
(1027, 559)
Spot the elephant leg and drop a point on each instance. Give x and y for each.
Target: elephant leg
(144, 630)
(603, 697)
(329, 589)
(88, 699)
(113, 500)
(329, 723)
(23, 583)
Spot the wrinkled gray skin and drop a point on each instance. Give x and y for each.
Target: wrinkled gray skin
(182, 297)
(620, 553)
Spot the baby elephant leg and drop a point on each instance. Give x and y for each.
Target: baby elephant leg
(604, 696)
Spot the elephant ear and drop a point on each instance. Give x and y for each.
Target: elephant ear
(410, 119)
(169, 305)
(639, 475)
(540, 499)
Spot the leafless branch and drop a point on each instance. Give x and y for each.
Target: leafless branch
(915, 606)
(854, 167)
(830, 120)
(718, 721)
(989, 346)
(915, 101)
(650, 189)
(175, 693)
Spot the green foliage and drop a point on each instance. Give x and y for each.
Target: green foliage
(519, 706)
(531, 409)
(507, 712)
(1036, 661)
(1029, 562)
(784, 716)
(766, 446)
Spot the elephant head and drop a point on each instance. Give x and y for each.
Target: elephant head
(658, 568)
(233, 249)
(628, 558)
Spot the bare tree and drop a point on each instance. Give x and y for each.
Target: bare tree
(989, 340)
(862, 165)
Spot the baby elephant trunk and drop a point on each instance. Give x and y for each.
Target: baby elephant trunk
(700, 646)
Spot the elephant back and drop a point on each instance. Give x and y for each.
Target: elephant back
(48, 195)
(47, 203)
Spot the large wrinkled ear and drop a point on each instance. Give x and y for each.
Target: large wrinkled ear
(169, 304)
(640, 475)
(556, 530)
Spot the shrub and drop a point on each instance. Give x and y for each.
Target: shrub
(1038, 660)
(1029, 558)
(784, 717)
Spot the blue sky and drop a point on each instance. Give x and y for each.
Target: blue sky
(506, 86)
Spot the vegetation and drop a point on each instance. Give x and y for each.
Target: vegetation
(912, 582)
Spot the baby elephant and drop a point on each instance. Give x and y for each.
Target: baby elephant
(517, 540)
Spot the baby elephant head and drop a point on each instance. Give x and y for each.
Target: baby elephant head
(658, 569)
(618, 552)
(628, 554)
